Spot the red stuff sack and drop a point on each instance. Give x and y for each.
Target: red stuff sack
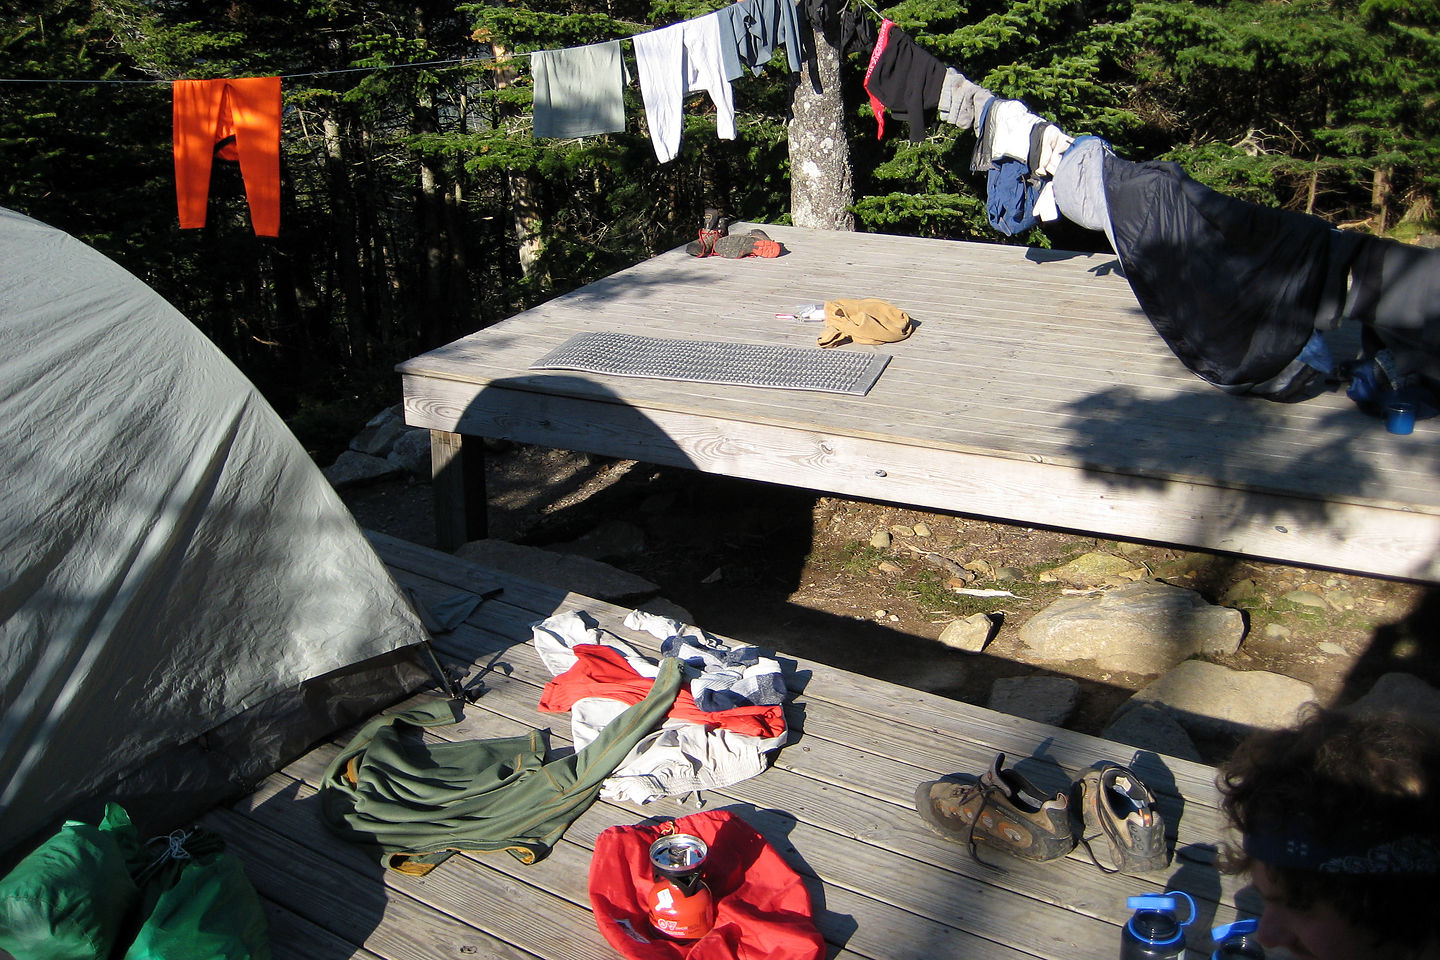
(762, 910)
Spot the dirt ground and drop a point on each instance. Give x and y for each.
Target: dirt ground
(801, 574)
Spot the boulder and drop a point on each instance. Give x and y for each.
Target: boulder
(1402, 693)
(1151, 726)
(1214, 701)
(411, 453)
(970, 634)
(1144, 627)
(379, 435)
(1094, 569)
(1049, 700)
(352, 469)
(561, 570)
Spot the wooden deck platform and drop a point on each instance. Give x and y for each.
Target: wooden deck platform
(1034, 391)
(836, 804)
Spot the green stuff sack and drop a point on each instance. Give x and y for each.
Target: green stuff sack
(70, 898)
(204, 906)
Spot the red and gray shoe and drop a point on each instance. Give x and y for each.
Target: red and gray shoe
(1002, 810)
(712, 229)
(755, 243)
(1120, 817)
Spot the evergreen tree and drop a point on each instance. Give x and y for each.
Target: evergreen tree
(1315, 105)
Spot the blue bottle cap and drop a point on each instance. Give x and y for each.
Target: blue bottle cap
(1163, 904)
(1236, 928)
(1159, 902)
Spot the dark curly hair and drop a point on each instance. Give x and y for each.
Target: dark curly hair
(1343, 810)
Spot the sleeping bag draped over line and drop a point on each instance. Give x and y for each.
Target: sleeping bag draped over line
(1239, 290)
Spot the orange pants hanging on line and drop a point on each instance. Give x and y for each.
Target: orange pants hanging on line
(209, 111)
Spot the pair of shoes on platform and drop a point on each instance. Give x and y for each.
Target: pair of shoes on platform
(1004, 811)
(712, 230)
(714, 240)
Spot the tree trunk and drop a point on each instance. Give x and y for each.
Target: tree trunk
(821, 190)
(435, 319)
(345, 240)
(524, 208)
(1380, 192)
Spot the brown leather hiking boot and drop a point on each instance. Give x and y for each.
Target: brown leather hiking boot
(1001, 809)
(1120, 810)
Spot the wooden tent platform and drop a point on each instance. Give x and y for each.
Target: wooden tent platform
(1034, 391)
(836, 804)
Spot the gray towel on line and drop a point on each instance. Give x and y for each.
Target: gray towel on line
(579, 92)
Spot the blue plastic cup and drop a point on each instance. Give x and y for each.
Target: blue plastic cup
(1400, 417)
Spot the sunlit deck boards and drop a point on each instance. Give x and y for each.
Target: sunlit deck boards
(836, 804)
(1034, 391)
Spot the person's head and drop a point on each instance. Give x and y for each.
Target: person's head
(1339, 820)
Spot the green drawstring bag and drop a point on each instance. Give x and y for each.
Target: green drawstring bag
(197, 902)
(71, 897)
(90, 890)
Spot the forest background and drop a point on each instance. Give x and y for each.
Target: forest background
(417, 205)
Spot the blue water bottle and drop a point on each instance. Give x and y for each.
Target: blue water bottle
(1153, 932)
(1237, 941)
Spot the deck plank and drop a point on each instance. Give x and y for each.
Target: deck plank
(836, 804)
(1032, 374)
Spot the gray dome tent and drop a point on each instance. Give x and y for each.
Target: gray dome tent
(184, 602)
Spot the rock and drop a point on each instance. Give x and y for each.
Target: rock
(1151, 727)
(379, 435)
(1049, 700)
(922, 529)
(352, 469)
(1306, 598)
(1402, 693)
(1330, 649)
(561, 570)
(1214, 701)
(981, 568)
(880, 539)
(1277, 631)
(612, 539)
(887, 566)
(411, 453)
(901, 530)
(1003, 574)
(1340, 599)
(1238, 591)
(944, 564)
(1091, 569)
(970, 634)
(1143, 627)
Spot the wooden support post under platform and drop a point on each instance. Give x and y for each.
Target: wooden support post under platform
(457, 471)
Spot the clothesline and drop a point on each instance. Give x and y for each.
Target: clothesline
(324, 73)
(283, 76)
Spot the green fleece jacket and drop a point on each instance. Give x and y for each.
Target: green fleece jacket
(420, 802)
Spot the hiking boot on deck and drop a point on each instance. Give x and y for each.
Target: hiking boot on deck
(1119, 809)
(712, 228)
(1001, 810)
(755, 243)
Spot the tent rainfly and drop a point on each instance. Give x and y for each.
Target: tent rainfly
(185, 604)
